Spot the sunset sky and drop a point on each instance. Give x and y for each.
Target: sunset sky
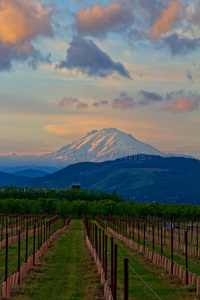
(70, 66)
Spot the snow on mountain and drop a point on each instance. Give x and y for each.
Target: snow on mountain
(95, 146)
(101, 145)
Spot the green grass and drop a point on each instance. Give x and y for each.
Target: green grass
(178, 257)
(165, 286)
(13, 252)
(66, 272)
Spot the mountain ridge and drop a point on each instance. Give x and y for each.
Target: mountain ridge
(97, 145)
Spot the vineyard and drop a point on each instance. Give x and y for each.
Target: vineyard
(23, 240)
(130, 255)
(172, 246)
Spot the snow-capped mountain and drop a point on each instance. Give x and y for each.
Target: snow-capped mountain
(95, 146)
(102, 145)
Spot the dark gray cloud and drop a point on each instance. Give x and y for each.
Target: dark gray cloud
(177, 101)
(189, 76)
(145, 98)
(181, 45)
(181, 94)
(84, 55)
(29, 54)
(100, 103)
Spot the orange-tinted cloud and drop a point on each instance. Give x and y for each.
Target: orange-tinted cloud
(82, 105)
(98, 20)
(167, 20)
(68, 101)
(123, 102)
(181, 105)
(21, 22)
(60, 130)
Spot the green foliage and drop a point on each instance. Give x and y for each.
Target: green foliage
(77, 202)
(35, 193)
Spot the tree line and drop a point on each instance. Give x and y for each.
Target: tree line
(105, 207)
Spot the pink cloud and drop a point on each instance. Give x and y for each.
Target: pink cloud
(60, 130)
(166, 20)
(123, 102)
(98, 20)
(22, 21)
(181, 105)
(82, 105)
(68, 101)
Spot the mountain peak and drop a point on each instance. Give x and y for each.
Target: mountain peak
(102, 145)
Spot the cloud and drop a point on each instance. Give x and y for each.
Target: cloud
(21, 23)
(181, 45)
(189, 76)
(60, 130)
(82, 105)
(100, 103)
(146, 98)
(181, 105)
(180, 101)
(68, 101)
(166, 21)
(98, 20)
(176, 101)
(123, 102)
(86, 57)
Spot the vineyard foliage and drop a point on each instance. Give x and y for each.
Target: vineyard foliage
(62, 201)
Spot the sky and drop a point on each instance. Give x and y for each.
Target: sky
(70, 66)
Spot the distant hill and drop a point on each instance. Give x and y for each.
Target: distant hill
(31, 173)
(10, 179)
(143, 178)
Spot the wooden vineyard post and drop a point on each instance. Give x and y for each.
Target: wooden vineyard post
(153, 236)
(133, 227)
(103, 246)
(186, 255)
(96, 241)
(179, 236)
(6, 262)
(115, 275)
(197, 238)
(18, 269)
(26, 242)
(100, 244)
(138, 232)
(112, 270)
(34, 245)
(2, 225)
(44, 230)
(144, 235)
(126, 287)
(161, 238)
(172, 250)
(38, 235)
(106, 257)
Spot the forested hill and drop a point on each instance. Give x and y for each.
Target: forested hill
(143, 178)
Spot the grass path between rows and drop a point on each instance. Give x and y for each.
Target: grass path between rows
(166, 286)
(66, 271)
